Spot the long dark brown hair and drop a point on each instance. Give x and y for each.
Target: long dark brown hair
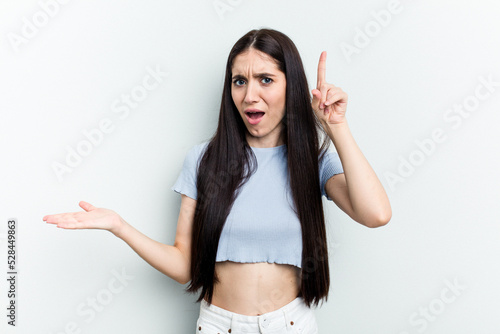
(228, 162)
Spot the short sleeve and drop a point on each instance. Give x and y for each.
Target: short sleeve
(329, 166)
(186, 181)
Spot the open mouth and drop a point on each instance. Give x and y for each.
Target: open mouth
(254, 117)
(254, 114)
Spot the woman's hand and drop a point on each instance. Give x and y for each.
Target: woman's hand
(329, 102)
(92, 217)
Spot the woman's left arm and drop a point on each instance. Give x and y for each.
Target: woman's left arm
(358, 191)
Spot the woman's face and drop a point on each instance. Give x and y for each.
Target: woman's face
(258, 84)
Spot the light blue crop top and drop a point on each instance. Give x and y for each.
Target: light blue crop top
(261, 226)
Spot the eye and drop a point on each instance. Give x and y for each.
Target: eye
(236, 82)
(270, 80)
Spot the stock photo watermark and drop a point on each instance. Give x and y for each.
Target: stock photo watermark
(429, 313)
(88, 309)
(122, 107)
(454, 116)
(371, 29)
(12, 272)
(31, 26)
(221, 7)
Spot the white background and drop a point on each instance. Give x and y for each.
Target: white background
(403, 84)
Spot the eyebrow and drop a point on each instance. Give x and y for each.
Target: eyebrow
(256, 75)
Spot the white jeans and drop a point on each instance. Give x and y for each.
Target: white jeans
(293, 318)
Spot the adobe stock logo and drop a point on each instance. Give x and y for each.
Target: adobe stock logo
(427, 146)
(31, 27)
(223, 6)
(429, 313)
(121, 106)
(97, 302)
(363, 37)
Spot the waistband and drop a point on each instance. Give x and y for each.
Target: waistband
(280, 318)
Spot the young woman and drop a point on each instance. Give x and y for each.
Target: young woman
(251, 230)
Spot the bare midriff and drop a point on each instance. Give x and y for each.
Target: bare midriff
(255, 288)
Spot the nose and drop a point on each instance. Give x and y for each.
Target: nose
(252, 93)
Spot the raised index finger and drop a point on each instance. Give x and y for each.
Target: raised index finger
(321, 69)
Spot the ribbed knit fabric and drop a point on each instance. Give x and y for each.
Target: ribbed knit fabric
(261, 226)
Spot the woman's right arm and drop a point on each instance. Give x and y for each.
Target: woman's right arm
(173, 261)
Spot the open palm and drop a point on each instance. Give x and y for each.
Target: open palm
(91, 218)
